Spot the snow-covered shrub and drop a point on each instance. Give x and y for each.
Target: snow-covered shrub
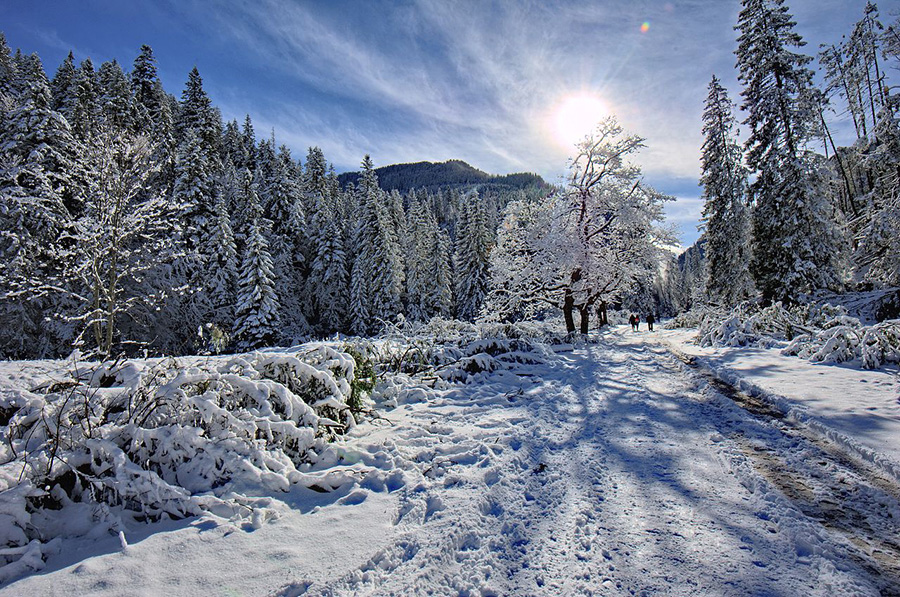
(881, 344)
(748, 325)
(836, 344)
(455, 351)
(170, 439)
(821, 333)
(697, 317)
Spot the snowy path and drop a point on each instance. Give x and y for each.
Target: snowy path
(617, 471)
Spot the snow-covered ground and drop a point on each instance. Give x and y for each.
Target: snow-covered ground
(857, 407)
(609, 468)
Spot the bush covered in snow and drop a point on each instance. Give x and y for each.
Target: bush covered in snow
(820, 332)
(696, 317)
(443, 351)
(848, 340)
(170, 438)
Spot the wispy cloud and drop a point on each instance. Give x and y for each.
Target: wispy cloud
(477, 80)
(485, 76)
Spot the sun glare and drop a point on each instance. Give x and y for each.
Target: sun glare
(576, 116)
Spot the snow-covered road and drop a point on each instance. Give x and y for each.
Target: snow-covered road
(615, 470)
(606, 469)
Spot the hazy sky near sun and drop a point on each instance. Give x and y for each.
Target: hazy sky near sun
(412, 80)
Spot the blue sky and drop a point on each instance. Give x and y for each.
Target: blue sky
(412, 80)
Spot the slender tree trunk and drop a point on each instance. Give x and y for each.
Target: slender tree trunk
(848, 187)
(601, 314)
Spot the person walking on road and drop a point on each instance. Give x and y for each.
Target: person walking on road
(650, 321)
(634, 320)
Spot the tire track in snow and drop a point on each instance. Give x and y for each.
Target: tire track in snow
(844, 494)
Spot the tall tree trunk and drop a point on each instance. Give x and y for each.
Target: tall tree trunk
(568, 311)
(585, 312)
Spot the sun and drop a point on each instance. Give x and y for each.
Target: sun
(576, 116)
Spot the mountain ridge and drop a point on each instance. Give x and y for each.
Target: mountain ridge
(440, 175)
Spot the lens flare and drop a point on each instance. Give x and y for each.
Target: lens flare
(645, 26)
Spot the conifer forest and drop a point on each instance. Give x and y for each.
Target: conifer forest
(136, 221)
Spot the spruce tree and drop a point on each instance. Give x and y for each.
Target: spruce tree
(248, 139)
(419, 251)
(233, 150)
(283, 207)
(37, 196)
(62, 87)
(327, 285)
(154, 114)
(257, 310)
(9, 86)
(115, 96)
(222, 267)
(440, 290)
(472, 259)
(197, 114)
(85, 113)
(792, 243)
(145, 84)
(725, 211)
(376, 276)
(41, 139)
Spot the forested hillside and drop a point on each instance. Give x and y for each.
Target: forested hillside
(432, 176)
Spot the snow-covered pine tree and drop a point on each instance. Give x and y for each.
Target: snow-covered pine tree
(38, 135)
(43, 181)
(257, 309)
(248, 139)
(282, 205)
(327, 285)
(725, 212)
(863, 67)
(398, 223)
(877, 256)
(37, 153)
(193, 199)
(86, 111)
(418, 255)
(386, 267)
(472, 258)
(221, 269)
(9, 87)
(62, 87)
(328, 276)
(114, 96)
(440, 289)
(145, 86)
(197, 114)
(793, 246)
(233, 151)
(376, 276)
(154, 114)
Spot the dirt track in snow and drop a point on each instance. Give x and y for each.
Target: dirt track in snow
(614, 469)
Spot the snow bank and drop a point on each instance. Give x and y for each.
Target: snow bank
(821, 333)
(855, 410)
(149, 440)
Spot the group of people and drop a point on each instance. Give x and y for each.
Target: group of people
(635, 321)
